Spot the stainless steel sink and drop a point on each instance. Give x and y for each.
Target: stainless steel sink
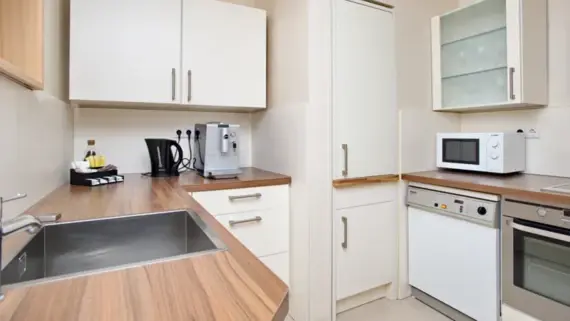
(76, 248)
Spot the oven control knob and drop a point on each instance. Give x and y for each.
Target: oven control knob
(481, 210)
(541, 212)
(494, 156)
(495, 143)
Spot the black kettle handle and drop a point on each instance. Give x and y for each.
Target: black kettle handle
(180, 152)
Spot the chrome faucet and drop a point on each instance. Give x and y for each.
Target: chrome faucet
(32, 223)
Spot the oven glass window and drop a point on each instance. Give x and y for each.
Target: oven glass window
(463, 151)
(542, 264)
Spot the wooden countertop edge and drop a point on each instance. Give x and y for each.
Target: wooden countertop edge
(236, 184)
(489, 189)
(351, 182)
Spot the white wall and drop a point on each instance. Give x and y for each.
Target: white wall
(279, 133)
(413, 61)
(119, 133)
(549, 154)
(36, 128)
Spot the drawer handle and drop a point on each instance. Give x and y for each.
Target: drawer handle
(249, 220)
(241, 197)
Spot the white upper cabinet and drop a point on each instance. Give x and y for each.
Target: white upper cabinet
(365, 115)
(224, 58)
(203, 53)
(125, 51)
(490, 55)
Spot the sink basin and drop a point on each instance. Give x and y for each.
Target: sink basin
(65, 249)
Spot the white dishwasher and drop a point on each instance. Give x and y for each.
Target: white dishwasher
(454, 251)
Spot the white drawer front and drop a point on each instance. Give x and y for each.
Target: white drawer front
(279, 264)
(263, 232)
(243, 199)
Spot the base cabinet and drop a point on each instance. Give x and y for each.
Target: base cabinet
(279, 264)
(259, 218)
(365, 243)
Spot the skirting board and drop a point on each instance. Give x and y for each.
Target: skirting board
(362, 298)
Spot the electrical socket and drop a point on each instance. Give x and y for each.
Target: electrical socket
(532, 133)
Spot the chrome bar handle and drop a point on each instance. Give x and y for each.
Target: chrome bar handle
(173, 84)
(539, 232)
(345, 151)
(249, 220)
(512, 83)
(345, 223)
(189, 85)
(241, 197)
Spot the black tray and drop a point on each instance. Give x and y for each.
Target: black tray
(85, 179)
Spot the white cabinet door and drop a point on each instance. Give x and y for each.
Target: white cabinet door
(279, 264)
(125, 51)
(224, 54)
(365, 115)
(366, 253)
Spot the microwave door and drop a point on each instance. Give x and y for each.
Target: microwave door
(460, 151)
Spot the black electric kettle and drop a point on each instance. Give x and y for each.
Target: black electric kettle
(162, 161)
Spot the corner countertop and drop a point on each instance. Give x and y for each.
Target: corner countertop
(520, 186)
(226, 285)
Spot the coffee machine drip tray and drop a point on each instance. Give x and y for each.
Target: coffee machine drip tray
(221, 174)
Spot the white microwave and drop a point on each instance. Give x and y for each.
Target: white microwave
(500, 153)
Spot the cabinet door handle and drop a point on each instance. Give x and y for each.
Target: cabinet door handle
(189, 85)
(173, 84)
(345, 223)
(512, 83)
(345, 151)
(240, 197)
(249, 220)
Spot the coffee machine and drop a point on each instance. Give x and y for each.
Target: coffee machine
(162, 162)
(216, 150)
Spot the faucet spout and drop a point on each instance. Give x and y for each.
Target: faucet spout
(19, 223)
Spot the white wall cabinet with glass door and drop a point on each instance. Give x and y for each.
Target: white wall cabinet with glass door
(365, 144)
(200, 53)
(491, 55)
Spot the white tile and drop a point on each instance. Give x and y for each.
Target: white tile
(387, 310)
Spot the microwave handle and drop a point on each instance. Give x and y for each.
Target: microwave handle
(535, 231)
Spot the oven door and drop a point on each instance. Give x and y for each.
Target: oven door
(536, 269)
(465, 153)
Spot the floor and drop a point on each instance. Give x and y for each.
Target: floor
(409, 309)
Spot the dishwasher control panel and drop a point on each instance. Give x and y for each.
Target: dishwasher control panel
(473, 209)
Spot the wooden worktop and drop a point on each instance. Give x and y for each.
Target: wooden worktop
(227, 285)
(250, 177)
(521, 186)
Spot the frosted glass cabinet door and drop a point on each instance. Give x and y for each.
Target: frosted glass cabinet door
(491, 54)
(474, 69)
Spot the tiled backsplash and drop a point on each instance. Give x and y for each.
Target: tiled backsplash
(120, 133)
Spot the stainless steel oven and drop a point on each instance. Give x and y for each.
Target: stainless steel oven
(536, 259)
